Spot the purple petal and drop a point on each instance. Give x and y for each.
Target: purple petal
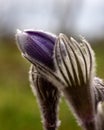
(38, 45)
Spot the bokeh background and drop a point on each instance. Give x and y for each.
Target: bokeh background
(18, 106)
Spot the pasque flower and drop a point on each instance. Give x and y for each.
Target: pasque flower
(62, 65)
(75, 67)
(38, 45)
(75, 63)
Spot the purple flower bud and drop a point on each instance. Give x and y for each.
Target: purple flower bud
(37, 45)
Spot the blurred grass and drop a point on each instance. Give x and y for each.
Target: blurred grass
(99, 53)
(18, 106)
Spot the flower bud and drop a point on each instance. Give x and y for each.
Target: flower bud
(36, 45)
(75, 65)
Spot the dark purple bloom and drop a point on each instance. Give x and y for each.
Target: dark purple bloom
(38, 45)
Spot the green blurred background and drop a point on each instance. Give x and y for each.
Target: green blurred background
(18, 106)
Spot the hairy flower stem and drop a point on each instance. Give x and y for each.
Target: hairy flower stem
(81, 106)
(48, 98)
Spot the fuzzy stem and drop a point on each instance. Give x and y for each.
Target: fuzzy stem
(48, 98)
(81, 103)
(50, 116)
